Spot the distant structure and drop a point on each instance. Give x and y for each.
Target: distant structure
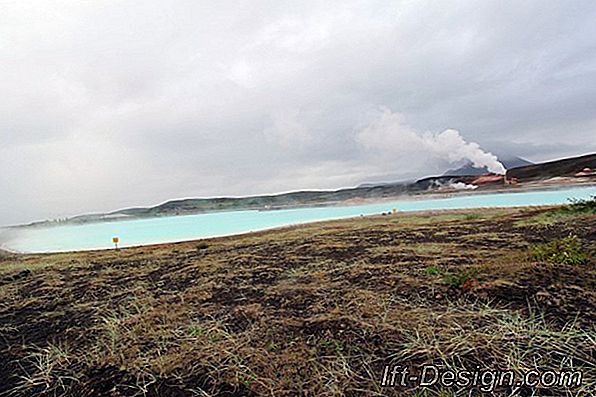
(587, 171)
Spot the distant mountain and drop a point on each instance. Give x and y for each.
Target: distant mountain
(466, 169)
(469, 169)
(514, 162)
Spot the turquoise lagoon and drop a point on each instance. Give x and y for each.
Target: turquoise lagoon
(189, 227)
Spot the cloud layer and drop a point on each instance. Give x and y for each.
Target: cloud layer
(112, 104)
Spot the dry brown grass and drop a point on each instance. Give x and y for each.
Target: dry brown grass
(315, 310)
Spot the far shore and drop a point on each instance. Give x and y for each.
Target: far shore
(557, 184)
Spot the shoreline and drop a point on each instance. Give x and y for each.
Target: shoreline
(530, 186)
(289, 227)
(351, 215)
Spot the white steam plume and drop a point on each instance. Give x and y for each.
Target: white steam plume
(462, 186)
(387, 133)
(452, 145)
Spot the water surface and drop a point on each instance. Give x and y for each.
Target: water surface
(188, 227)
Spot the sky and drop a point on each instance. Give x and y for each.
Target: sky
(111, 104)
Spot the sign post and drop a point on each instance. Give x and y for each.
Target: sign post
(115, 240)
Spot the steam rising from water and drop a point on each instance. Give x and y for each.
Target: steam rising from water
(5, 236)
(388, 133)
(462, 186)
(437, 184)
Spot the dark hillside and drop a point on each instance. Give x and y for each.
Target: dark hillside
(551, 169)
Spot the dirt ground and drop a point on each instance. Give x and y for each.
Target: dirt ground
(313, 310)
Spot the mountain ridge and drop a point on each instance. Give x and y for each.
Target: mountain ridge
(469, 169)
(567, 167)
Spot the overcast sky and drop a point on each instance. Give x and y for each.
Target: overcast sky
(109, 104)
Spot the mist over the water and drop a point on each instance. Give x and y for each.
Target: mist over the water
(6, 235)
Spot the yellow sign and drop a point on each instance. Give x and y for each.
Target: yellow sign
(115, 240)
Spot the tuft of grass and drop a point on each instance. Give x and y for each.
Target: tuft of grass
(48, 370)
(566, 251)
(432, 271)
(576, 207)
(459, 279)
(477, 334)
(471, 217)
(196, 331)
(332, 344)
(581, 206)
(202, 246)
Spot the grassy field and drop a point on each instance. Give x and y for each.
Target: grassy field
(314, 310)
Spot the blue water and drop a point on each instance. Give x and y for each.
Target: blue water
(179, 228)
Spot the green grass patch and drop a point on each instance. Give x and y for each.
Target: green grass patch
(567, 251)
(202, 246)
(472, 217)
(580, 206)
(332, 345)
(576, 207)
(457, 280)
(196, 331)
(433, 271)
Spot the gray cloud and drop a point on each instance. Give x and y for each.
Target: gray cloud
(115, 104)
